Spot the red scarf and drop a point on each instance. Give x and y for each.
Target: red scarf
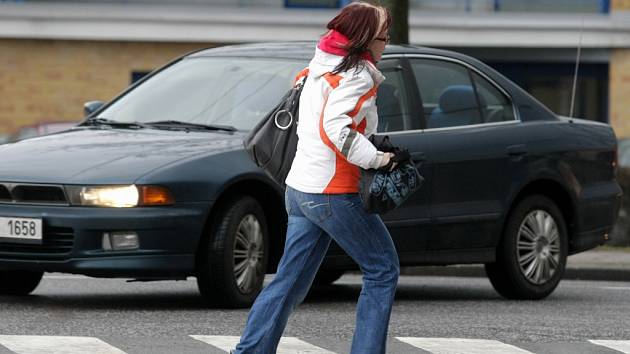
(334, 42)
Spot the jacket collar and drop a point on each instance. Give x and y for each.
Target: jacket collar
(328, 55)
(334, 42)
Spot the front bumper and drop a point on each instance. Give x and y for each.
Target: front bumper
(72, 240)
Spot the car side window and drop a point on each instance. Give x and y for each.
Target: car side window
(392, 100)
(495, 106)
(448, 96)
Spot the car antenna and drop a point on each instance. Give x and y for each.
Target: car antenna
(577, 68)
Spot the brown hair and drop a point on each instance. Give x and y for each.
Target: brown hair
(360, 22)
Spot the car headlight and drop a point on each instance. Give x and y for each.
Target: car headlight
(119, 196)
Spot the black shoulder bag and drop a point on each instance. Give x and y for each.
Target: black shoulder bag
(273, 141)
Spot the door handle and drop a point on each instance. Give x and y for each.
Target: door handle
(516, 150)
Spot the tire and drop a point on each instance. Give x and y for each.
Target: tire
(542, 251)
(239, 237)
(19, 282)
(327, 277)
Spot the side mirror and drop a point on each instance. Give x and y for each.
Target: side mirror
(91, 107)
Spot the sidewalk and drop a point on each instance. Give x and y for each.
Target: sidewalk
(604, 263)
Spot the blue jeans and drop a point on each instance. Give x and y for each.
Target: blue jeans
(313, 220)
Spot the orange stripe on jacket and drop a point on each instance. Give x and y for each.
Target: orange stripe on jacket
(300, 75)
(362, 99)
(361, 127)
(333, 79)
(346, 176)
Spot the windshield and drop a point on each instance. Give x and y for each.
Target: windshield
(234, 92)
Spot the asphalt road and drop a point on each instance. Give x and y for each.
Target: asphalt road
(161, 317)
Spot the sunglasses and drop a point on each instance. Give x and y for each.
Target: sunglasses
(386, 39)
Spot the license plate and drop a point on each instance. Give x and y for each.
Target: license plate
(25, 230)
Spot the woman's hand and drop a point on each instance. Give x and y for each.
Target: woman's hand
(387, 160)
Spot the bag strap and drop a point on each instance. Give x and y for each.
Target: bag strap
(301, 74)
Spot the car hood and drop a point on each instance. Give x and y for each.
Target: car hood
(94, 155)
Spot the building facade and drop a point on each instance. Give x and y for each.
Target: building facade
(55, 55)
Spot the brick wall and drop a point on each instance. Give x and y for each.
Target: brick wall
(44, 80)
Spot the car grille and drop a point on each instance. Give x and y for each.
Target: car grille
(57, 243)
(32, 194)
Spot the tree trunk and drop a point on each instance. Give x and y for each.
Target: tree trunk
(400, 20)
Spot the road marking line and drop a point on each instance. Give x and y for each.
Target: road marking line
(615, 287)
(618, 345)
(287, 345)
(57, 345)
(460, 345)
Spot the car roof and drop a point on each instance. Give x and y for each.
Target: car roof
(305, 49)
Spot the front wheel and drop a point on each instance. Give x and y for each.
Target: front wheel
(532, 254)
(19, 282)
(232, 258)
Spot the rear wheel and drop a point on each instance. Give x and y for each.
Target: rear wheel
(531, 256)
(232, 258)
(19, 282)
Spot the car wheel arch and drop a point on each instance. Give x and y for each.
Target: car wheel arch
(553, 190)
(272, 202)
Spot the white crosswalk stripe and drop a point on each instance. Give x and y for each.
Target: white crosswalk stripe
(287, 345)
(57, 345)
(24, 344)
(461, 346)
(618, 345)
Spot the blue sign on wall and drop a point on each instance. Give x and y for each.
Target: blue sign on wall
(325, 4)
(601, 6)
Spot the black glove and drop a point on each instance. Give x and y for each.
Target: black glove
(382, 143)
(401, 156)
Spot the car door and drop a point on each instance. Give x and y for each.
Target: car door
(400, 117)
(472, 128)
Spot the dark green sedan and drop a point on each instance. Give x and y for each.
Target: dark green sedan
(156, 185)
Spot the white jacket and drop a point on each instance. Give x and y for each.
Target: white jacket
(336, 115)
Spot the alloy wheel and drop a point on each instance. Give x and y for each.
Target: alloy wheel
(248, 254)
(538, 247)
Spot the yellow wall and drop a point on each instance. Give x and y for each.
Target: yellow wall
(619, 86)
(46, 80)
(619, 102)
(620, 5)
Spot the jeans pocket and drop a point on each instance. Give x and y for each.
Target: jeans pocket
(316, 207)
